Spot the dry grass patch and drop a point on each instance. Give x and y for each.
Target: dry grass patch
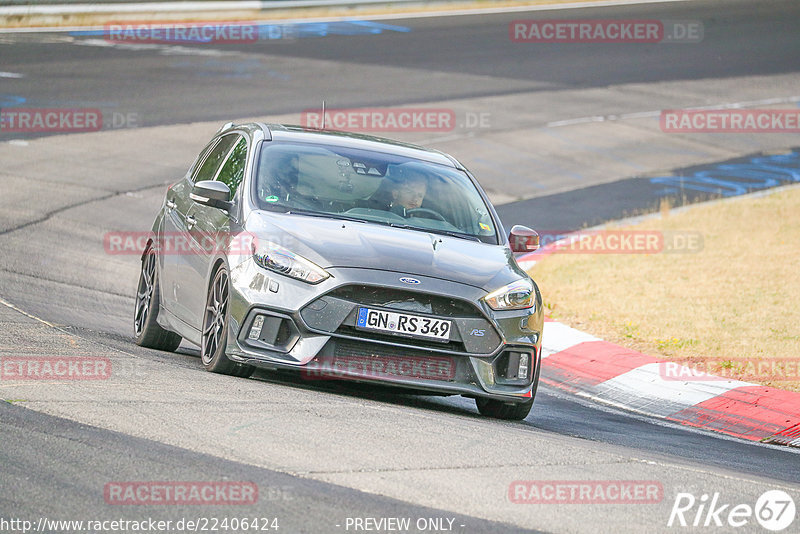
(732, 309)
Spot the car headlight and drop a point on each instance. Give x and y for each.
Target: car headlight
(276, 258)
(515, 296)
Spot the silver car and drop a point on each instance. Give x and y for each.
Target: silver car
(344, 257)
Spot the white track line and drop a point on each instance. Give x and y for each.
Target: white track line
(557, 337)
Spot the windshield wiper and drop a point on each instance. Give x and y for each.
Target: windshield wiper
(457, 234)
(300, 211)
(323, 214)
(435, 231)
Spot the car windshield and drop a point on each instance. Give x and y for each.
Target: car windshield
(374, 187)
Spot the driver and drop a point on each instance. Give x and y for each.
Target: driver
(400, 193)
(408, 194)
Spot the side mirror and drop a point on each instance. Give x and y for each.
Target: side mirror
(523, 239)
(212, 193)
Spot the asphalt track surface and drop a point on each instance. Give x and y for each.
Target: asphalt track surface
(444, 53)
(57, 466)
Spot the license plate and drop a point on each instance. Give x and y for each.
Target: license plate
(403, 323)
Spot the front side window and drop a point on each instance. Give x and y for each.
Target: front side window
(232, 171)
(371, 186)
(209, 167)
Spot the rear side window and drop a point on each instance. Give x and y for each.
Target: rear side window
(208, 169)
(232, 171)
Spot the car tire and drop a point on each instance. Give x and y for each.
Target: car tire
(148, 300)
(516, 411)
(215, 330)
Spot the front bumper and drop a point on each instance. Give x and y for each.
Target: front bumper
(311, 328)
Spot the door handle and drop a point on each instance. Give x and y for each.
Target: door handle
(190, 221)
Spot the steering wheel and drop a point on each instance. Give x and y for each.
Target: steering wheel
(433, 214)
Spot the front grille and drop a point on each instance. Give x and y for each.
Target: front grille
(409, 301)
(336, 313)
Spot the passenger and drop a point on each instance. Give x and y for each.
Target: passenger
(279, 178)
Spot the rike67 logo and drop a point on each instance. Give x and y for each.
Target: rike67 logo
(774, 510)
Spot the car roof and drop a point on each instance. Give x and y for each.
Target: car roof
(288, 132)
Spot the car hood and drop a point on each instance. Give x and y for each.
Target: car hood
(332, 243)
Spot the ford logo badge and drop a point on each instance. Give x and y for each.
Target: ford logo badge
(407, 280)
